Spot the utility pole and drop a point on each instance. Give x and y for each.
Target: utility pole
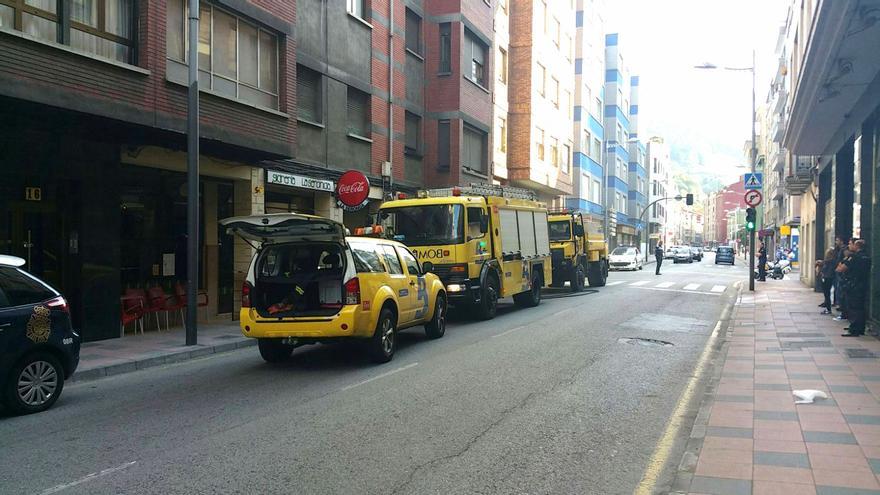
(192, 178)
(754, 157)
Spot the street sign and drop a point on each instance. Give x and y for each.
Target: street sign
(753, 198)
(753, 181)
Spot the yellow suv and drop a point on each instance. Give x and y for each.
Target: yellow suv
(311, 283)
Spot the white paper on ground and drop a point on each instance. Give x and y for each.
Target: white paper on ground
(807, 396)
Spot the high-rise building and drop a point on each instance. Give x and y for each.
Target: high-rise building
(622, 229)
(657, 163)
(541, 59)
(589, 133)
(637, 176)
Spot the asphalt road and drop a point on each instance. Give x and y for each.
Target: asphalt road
(541, 400)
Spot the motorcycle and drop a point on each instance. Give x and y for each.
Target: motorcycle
(777, 270)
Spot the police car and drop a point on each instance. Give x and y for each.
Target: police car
(310, 282)
(38, 347)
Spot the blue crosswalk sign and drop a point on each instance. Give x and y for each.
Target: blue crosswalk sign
(753, 181)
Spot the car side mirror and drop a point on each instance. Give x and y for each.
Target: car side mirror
(484, 224)
(427, 267)
(578, 230)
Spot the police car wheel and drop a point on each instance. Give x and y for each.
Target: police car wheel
(34, 384)
(273, 351)
(382, 344)
(436, 328)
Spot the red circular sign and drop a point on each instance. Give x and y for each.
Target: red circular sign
(753, 197)
(352, 189)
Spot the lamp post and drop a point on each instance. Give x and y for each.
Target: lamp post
(752, 159)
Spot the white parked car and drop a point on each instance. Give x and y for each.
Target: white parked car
(625, 258)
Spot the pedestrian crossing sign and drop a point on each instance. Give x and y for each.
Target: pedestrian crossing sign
(753, 180)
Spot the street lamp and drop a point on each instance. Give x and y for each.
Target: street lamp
(753, 154)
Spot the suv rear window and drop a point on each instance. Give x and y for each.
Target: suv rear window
(366, 260)
(18, 288)
(725, 250)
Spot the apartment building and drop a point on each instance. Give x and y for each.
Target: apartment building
(657, 163)
(622, 228)
(93, 146)
(500, 91)
(401, 91)
(637, 172)
(589, 132)
(540, 137)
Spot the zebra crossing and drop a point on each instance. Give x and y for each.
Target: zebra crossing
(710, 289)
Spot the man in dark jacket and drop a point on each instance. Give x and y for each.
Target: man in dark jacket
(762, 262)
(658, 255)
(839, 247)
(856, 270)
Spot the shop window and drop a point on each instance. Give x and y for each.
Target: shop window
(308, 96)
(413, 133)
(475, 54)
(237, 58)
(475, 152)
(413, 32)
(443, 145)
(445, 48)
(101, 27)
(358, 112)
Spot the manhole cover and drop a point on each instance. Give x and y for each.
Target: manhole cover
(799, 335)
(787, 346)
(643, 341)
(859, 353)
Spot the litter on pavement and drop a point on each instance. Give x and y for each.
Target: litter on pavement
(808, 396)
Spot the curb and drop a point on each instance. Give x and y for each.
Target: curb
(151, 362)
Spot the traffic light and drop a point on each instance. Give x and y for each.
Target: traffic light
(689, 199)
(750, 219)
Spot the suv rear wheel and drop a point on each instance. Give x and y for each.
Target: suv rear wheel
(381, 345)
(273, 351)
(34, 384)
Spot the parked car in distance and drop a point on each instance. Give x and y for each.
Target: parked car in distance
(39, 349)
(670, 253)
(311, 283)
(724, 254)
(683, 254)
(697, 253)
(625, 258)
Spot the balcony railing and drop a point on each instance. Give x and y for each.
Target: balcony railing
(777, 161)
(778, 128)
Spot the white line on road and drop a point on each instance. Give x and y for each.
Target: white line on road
(615, 283)
(509, 331)
(88, 477)
(691, 286)
(640, 282)
(665, 285)
(680, 290)
(383, 375)
(718, 288)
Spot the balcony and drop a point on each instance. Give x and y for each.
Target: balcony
(779, 99)
(777, 161)
(777, 131)
(797, 184)
(777, 192)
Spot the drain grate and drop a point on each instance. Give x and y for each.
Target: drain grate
(645, 342)
(799, 335)
(859, 353)
(788, 346)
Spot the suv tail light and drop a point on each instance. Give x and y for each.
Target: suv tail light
(59, 303)
(353, 291)
(246, 295)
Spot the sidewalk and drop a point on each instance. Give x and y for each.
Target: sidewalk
(751, 438)
(135, 352)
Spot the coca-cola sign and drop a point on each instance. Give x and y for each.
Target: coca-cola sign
(352, 190)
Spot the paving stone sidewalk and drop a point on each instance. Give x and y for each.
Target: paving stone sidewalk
(751, 438)
(139, 351)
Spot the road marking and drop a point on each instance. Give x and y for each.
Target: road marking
(509, 331)
(691, 286)
(718, 288)
(665, 285)
(680, 290)
(640, 282)
(383, 375)
(88, 477)
(615, 283)
(664, 446)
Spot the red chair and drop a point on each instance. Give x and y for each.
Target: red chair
(132, 310)
(159, 301)
(149, 307)
(201, 299)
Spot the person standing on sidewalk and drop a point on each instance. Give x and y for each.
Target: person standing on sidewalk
(658, 255)
(762, 262)
(843, 273)
(857, 273)
(839, 246)
(825, 269)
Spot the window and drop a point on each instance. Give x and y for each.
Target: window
(308, 95)
(539, 134)
(597, 149)
(101, 27)
(503, 5)
(502, 134)
(445, 48)
(554, 151)
(586, 142)
(475, 152)
(443, 145)
(236, 58)
(355, 7)
(391, 260)
(566, 158)
(502, 65)
(413, 133)
(543, 18)
(554, 91)
(554, 31)
(358, 112)
(541, 74)
(412, 266)
(597, 191)
(365, 259)
(413, 32)
(619, 97)
(475, 51)
(568, 48)
(598, 109)
(474, 223)
(566, 104)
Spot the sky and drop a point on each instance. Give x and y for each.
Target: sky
(707, 110)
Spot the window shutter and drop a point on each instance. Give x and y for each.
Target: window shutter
(443, 145)
(307, 94)
(357, 112)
